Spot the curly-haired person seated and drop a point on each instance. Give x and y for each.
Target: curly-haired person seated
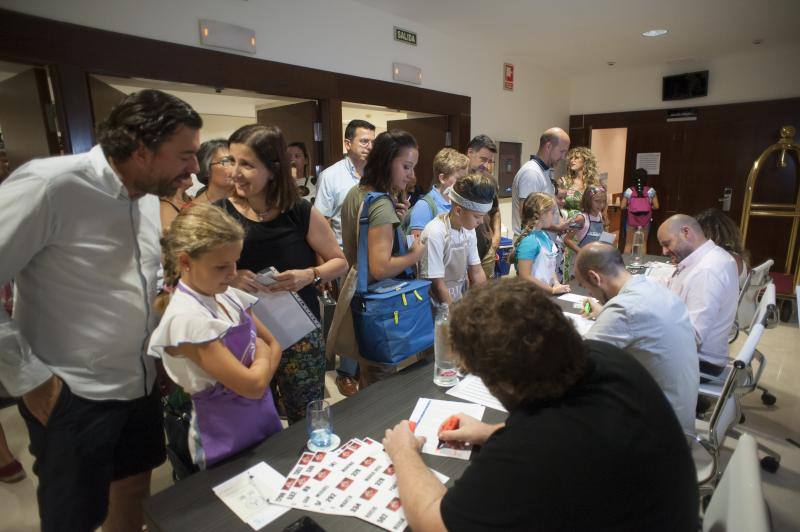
(590, 442)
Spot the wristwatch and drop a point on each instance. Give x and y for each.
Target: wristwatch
(317, 279)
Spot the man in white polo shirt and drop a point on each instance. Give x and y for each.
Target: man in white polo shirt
(332, 187)
(707, 281)
(643, 318)
(537, 174)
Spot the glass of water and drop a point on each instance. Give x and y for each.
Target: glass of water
(319, 425)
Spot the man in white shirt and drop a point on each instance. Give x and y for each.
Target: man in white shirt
(336, 181)
(332, 187)
(645, 319)
(80, 236)
(706, 280)
(537, 175)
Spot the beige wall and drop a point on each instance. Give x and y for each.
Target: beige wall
(608, 146)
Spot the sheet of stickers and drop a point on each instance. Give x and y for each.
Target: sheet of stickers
(356, 480)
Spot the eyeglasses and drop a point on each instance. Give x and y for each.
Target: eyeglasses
(363, 142)
(224, 162)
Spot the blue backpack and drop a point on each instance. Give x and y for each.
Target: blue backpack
(392, 318)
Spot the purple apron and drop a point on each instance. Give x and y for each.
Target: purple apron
(227, 422)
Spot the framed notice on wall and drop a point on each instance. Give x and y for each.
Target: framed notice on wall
(650, 162)
(508, 76)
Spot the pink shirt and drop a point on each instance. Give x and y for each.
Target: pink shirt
(708, 283)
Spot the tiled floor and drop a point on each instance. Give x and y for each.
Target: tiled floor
(770, 425)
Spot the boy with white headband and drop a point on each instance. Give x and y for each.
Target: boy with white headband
(451, 256)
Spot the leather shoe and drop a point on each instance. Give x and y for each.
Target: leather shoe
(347, 386)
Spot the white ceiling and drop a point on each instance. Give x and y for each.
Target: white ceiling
(575, 36)
(205, 100)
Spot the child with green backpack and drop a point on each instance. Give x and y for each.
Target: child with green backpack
(448, 165)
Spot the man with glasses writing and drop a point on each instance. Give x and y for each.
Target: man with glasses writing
(334, 184)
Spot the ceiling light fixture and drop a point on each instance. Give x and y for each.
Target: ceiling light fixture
(654, 33)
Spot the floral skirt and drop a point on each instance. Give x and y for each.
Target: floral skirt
(300, 377)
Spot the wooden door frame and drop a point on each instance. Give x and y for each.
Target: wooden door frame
(72, 52)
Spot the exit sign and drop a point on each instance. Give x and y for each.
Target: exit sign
(405, 36)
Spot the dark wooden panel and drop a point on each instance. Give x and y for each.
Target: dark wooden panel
(73, 107)
(701, 157)
(508, 164)
(297, 123)
(430, 134)
(23, 118)
(33, 39)
(333, 144)
(104, 98)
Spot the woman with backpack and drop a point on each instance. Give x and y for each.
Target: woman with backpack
(640, 200)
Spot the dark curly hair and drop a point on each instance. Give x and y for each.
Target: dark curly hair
(147, 116)
(518, 341)
(387, 147)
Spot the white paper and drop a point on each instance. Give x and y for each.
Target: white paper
(607, 237)
(582, 325)
(574, 298)
(659, 271)
(650, 162)
(429, 414)
(472, 389)
(284, 313)
(248, 495)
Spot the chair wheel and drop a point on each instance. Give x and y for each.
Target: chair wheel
(786, 310)
(768, 399)
(769, 464)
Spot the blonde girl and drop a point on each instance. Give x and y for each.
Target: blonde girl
(210, 342)
(534, 253)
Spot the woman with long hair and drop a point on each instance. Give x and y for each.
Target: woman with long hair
(285, 232)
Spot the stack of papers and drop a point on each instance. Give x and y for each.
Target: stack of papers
(358, 480)
(472, 389)
(581, 324)
(430, 414)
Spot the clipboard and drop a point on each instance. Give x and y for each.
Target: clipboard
(284, 313)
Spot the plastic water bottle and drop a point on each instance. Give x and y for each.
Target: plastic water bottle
(638, 247)
(445, 370)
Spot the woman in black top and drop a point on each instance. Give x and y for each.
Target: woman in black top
(285, 232)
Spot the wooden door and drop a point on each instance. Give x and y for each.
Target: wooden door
(510, 159)
(27, 125)
(431, 134)
(104, 98)
(650, 138)
(297, 123)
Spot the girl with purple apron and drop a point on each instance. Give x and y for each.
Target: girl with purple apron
(226, 422)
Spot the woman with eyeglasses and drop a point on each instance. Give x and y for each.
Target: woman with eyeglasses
(285, 232)
(216, 171)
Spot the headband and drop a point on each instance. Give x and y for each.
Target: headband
(482, 208)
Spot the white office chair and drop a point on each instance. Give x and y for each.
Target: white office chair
(710, 435)
(737, 504)
(756, 280)
(727, 410)
(765, 315)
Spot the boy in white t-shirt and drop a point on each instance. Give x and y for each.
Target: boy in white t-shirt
(451, 258)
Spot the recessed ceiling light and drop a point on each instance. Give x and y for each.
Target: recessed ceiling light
(654, 33)
(611, 63)
(758, 41)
